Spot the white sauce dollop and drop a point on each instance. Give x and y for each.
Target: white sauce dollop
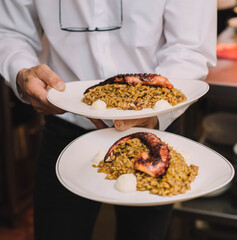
(126, 183)
(98, 105)
(186, 155)
(99, 156)
(161, 105)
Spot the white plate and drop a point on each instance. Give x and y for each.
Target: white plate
(75, 172)
(70, 100)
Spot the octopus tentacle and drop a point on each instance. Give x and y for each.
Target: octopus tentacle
(154, 164)
(137, 78)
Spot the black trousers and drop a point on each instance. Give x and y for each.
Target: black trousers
(62, 215)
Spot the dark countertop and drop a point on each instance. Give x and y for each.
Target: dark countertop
(220, 209)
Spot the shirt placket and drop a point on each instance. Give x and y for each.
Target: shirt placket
(103, 42)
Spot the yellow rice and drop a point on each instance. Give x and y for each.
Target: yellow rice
(129, 97)
(176, 180)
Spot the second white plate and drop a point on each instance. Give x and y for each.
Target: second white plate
(75, 172)
(70, 100)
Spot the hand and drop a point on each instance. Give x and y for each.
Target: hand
(121, 125)
(34, 83)
(98, 123)
(151, 122)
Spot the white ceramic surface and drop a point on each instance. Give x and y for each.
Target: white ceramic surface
(70, 100)
(74, 169)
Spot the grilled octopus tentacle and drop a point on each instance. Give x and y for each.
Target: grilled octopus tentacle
(133, 79)
(157, 163)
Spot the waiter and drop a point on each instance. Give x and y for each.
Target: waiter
(44, 44)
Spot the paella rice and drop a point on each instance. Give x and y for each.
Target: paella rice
(132, 97)
(176, 180)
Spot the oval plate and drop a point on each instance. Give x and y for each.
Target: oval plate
(70, 100)
(74, 169)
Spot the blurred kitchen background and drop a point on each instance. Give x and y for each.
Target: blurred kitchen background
(212, 121)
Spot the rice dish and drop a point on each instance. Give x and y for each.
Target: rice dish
(132, 97)
(176, 180)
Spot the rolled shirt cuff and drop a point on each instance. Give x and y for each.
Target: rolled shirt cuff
(14, 68)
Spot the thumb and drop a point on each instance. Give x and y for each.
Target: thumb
(122, 125)
(50, 77)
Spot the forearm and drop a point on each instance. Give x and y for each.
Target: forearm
(13, 60)
(190, 35)
(190, 44)
(20, 39)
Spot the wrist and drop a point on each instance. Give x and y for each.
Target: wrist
(19, 80)
(157, 126)
(19, 75)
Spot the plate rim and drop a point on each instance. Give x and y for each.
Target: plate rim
(125, 203)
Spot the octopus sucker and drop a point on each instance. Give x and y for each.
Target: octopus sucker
(155, 163)
(149, 79)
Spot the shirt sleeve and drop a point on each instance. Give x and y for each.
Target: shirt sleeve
(189, 49)
(20, 39)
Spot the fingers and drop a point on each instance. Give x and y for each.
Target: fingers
(33, 84)
(41, 104)
(98, 123)
(37, 97)
(151, 122)
(122, 125)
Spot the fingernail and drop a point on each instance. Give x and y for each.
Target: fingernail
(60, 86)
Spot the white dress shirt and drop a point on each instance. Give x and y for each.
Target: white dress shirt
(174, 38)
